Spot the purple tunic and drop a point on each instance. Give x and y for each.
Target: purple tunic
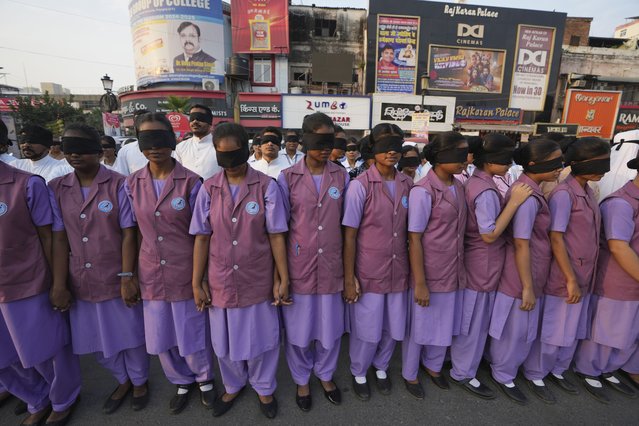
(437, 323)
(375, 312)
(505, 309)
(563, 323)
(171, 324)
(615, 323)
(314, 317)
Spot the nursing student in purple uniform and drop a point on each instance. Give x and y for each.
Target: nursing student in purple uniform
(163, 197)
(239, 223)
(517, 307)
(313, 193)
(436, 224)
(613, 344)
(376, 260)
(94, 249)
(574, 236)
(37, 363)
(485, 249)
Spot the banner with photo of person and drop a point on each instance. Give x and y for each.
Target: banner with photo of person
(177, 41)
(396, 68)
(459, 69)
(531, 68)
(260, 26)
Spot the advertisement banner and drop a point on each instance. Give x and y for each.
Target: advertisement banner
(111, 124)
(458, 69)
(400, 109)
(177, 41)
(564, 129)
(531, 67)
(260, 26)
(487, 115)
(419, 124)
(180, 124)
(628, 118)
(350, 112)
(594, 110)
(396, 69)
(260, 110)
(130, 105)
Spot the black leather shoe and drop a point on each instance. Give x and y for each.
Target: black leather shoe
(440, 381)
(220, 407)
(208, 398)
(563, 384)
(384, 386)
(20, 408)
(44, 413)
(270, 409)
(304, 402)
(542, 392)
(514, 394)
(620, 387)
(111, 404)
(139, 402)
(415, 389)
(362, 391)
(65, 420)
(481, 391)
(179, 402)
(629, 378)
(334, 396)
(596, 392)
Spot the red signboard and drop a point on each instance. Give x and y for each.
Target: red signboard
(594, 110)
(180, 123)
(260, 26)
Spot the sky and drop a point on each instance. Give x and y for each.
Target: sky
(75, 42)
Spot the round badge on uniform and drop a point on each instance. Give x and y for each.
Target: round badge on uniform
(252, 208)
(105, 206)
(178, 203)
(405, 201)
(333, 192)
(3, 208)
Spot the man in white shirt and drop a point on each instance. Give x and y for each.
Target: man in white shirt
(257, 154)
(35, 142)
(197, 153)
(130, 159)
(290, 152)
(4, 144)
(271, 163)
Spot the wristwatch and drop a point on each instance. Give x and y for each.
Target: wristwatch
(125, 274)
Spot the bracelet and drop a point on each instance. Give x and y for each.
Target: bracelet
(125, 274)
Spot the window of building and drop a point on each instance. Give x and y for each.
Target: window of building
(325, 27)
(262, 70)
(574, 40)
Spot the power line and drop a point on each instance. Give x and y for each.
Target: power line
(68, 13)
(65, 57)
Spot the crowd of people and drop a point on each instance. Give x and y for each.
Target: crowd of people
(202, 251)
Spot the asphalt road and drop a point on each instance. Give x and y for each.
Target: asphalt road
(455, 406)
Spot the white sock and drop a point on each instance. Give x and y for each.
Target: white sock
(559, 376)
(474, 383)
(360, 380)
(613, 379)
(594, 383)
(381, 374)
(538, 383)
(510, 385)
(182, 391)
(206, 388)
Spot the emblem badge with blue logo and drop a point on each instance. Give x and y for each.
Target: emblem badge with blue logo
(405, 201)
(252, 208)
(178, 203)
(333, 193)
(105, 206)
(3, 208)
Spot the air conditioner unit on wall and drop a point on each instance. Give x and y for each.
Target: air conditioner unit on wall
(210, 84)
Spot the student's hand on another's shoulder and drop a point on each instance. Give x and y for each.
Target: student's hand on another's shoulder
(60, 298)
(520, 193)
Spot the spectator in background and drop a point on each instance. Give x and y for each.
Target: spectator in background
(35, 142)
(256, 154)
(339, 148)
(198, 154)
(5, 143)
(368, 158)
(352, 159)
(56, 150)
(409, 162)
(108, 146)
(290, 152)
(130, 159)
(271, 163)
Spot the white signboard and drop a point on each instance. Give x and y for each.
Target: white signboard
(399, 109)
(350, 112)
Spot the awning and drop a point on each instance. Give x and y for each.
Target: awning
(515, 128)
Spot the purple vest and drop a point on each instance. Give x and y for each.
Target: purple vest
(240, 257)
(93, 231)
(165, 262)
(612, 281)
(540, 249)
(581, 239)
(381, 261)
(315, 261)
(484, 262)
(24, 269)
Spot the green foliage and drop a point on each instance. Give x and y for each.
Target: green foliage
(178, 104)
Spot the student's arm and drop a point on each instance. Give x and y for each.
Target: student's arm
(59, 295)
(523, 223)
(618, 223)
(351, 285)
(519, 194)
(416, 258)
(46, 240)
(281, 280)
(129, 286)
(560, 208)
(626, 257)
(201, 292)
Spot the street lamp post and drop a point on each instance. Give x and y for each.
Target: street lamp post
(423, 79)
(108, 101)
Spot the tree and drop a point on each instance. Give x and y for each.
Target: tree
(178, 104)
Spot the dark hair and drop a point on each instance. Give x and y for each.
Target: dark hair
(491, 144)
(584, 149)
(4, 133)
(385, 129)
(536, 151)
(442, 142)
(288, 131)
(200, 106)
(37, 133)
(153, 117)
(388, 46)
(365, 148)
(474, 144)
(271, 129)
(188, 24)
(231, 130)
(351, 140)
(408, 148)
(88, 131)
(553, 136)
(314, 121)
(338, 129)
(108, 139)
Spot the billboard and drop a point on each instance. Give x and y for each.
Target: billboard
(350, 112)
(396, 66)
(399, 110)
(111, 124)
(487, 115)
(260, 26)
(177, 41)
(533, 57)
(594, 110)
(628, 118)
(457, 69)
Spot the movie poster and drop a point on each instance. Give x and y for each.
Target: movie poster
(457, 69)
(531, 68)
(396, 68)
